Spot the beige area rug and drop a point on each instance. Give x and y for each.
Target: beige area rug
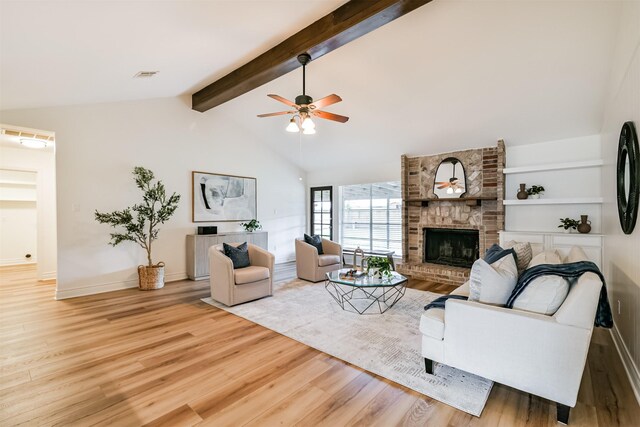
(386, 344)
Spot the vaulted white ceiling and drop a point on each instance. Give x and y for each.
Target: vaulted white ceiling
(84, 51)
(450, 75)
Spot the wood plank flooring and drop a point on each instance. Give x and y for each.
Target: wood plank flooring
(164, 358)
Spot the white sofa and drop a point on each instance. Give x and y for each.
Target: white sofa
(539, 354)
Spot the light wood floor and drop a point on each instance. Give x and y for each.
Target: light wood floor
(165, 358)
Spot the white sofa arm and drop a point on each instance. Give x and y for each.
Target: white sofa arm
(531, 352)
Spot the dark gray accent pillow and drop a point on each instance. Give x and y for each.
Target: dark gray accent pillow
(239, 255)
(495, 252)
(315, 241)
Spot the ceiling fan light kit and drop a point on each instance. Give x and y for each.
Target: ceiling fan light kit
(305, 108)
(293, 126)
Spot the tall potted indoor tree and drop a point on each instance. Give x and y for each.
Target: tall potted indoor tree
(140, 224)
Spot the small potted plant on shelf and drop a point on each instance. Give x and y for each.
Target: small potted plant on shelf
(535, 191)
(378, 266)
(568, 224)
(251, 226)
(140, 224)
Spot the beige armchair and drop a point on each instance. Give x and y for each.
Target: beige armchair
(311, 266)
(231, 287)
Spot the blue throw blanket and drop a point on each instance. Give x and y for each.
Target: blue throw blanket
(569, 271)
(440, 301)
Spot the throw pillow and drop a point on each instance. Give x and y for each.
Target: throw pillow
(523, 253)
(315, 241)
(576, 254)
(547, 257)
(493, 283)
(495, 252)
(239, 255)
(545, 294)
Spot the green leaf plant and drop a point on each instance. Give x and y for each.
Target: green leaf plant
(139, 223)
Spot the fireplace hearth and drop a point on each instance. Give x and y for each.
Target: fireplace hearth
(454, 247)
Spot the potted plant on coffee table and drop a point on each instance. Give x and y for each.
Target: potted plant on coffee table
(139, 224)
(378, 266)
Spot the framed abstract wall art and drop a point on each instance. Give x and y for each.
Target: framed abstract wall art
(218, 197)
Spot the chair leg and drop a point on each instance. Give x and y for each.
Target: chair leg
(562, 412)
(428, 365)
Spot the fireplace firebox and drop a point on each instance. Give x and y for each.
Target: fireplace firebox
(455, 247)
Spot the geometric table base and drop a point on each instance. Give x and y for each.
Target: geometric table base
(365, 300)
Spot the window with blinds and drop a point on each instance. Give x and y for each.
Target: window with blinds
(372, 217)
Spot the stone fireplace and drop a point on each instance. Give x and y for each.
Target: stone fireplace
(480, 211)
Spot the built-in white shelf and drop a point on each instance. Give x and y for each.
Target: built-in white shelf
(543, 201)
(552, 233)
(554, 166)
(25, 183)
(16, 199)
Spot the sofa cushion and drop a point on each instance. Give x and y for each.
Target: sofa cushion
(432, 323)
(324, 260)
(576, 254)
(239, 255)
(493, 283)
(523, 253)
(545, 294)
(315, 241)
(462, 289)
(253, 273)
(550, 256)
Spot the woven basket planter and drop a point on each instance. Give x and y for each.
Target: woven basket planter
(150, 278)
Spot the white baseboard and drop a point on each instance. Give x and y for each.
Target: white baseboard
(629, 366)
(110, 287)
(49, 275)
(16, 261)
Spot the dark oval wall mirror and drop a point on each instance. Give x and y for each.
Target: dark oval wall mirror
(628, 177)
(450, 181)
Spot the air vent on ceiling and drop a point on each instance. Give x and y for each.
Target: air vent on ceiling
(145, 74)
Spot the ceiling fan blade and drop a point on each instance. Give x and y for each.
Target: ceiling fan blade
(440, 187)
(326, 101)
(442, 183)
(330, 116)
(283, 100)
(280, 113)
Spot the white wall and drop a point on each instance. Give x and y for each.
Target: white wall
(18, 217)
(98, 146)
(621, 266)
(558, 184)
(43, 163)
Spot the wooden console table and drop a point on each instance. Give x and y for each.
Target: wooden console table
(198, 249)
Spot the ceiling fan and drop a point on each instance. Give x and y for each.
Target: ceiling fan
(304, 108)
(453, 184)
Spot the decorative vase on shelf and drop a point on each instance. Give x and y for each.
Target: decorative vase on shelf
(522, 194)
(585, 224)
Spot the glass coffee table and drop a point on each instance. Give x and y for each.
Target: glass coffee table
(365, 294)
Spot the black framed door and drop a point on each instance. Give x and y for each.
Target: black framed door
(322, 211)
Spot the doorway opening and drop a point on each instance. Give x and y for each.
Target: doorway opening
(28, 241)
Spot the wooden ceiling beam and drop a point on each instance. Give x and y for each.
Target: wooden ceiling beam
(348, 22)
